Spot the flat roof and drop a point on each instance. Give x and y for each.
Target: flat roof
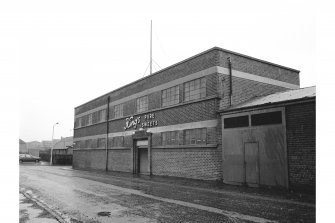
(190, 58)
(284, 96)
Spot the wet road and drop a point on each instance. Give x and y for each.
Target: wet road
(82, 196)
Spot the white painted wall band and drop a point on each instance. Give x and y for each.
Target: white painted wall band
(203, 73)
(257, 78)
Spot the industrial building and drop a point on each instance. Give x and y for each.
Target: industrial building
(174, 122)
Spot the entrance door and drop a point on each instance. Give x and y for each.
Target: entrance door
(251, 163)
(143, 163)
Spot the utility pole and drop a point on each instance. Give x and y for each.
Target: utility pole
(52, 142)
(150, 47)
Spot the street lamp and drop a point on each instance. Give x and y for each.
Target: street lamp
(52, 141)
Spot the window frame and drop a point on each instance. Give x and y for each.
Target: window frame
(118, 109)
(142, 107)
(191, 92)
(170, 96)
(199, 135)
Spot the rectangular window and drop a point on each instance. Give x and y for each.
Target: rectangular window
(87, 144)
(103, 115)
(118, 111)
(94, 143)
(117, 141)
(170, 96)
(84, 120)
(170, 138)
(195, 89)
(195, 136)
(142, 104)
(101, 142)
(95, 117)
(269, 118)
(89, 119)
(236, 122)
(77, 123)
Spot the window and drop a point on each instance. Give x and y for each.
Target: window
(236, 122)
(142, 104)
(268, 118)
(89, 119)
(118, 111)
(170, 138)
(117, 141)
(195, 89)
(103, 115)
(77, 123)
(84, 120)
(101, 142)
(195, 136)
(100, 116)
(170, 96)
(87, 144)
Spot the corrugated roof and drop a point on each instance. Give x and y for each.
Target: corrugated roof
(21, 141)
(308, 92)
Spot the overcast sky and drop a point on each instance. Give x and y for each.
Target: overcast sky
(69, 52)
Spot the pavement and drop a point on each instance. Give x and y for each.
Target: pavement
(32, 212)
(97, 196)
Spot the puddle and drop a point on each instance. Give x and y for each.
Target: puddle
(104, 213)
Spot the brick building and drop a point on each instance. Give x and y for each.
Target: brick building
(169, 123)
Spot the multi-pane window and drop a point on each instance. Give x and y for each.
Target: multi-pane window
(84, 120)
(117, 141)
(195, 89)
(170, 138)
(100, 116)
(142, 104)
(103, 115)
(195, 136)
(101, 142)
(118, 111)
(170, 96)
(89, 119)
(77, 123)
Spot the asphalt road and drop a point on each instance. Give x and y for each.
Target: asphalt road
(83, 196)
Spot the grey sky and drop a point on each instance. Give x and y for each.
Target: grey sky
(70, 52)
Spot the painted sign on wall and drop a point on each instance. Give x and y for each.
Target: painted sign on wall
(148, 121)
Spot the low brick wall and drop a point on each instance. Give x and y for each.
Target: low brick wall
(195, 163)
(89, 159)
(119, 160)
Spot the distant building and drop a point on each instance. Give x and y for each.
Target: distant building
(22, 146)
(62, 151)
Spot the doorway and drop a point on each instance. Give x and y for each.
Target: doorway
(251, 164)
(142, 151)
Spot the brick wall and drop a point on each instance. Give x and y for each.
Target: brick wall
(243, 90)
(120, 160)
(89, 159)
(300, 124)
(196, 163)
(259, 68)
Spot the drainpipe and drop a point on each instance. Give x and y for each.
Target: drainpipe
(230, 82)
(107, 120)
